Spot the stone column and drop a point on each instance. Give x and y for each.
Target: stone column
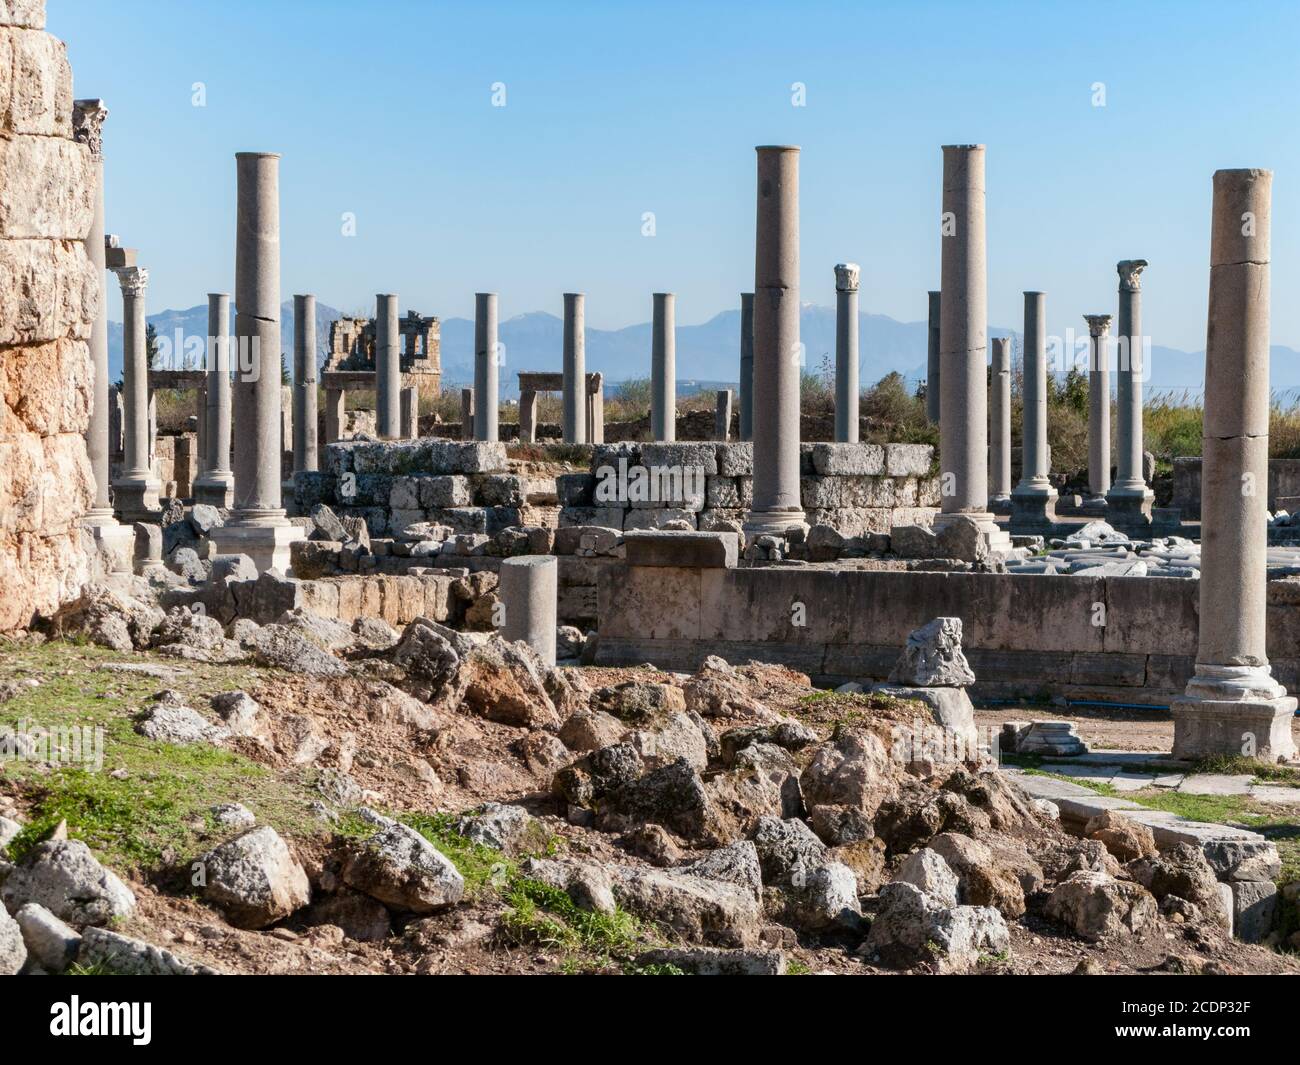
(595, 408)
(217, 485)
(467, 407)
(305, 450)
(1232, 704)
(663, 368)
(114, 540)
(257, 526)
(1128, 503)
(1000, 426)
(487, 362)
(963, 347)
(846, 352)
(746, 366)
(410, 413)
(528, 416)
(933, 361)
(777, 352)
(136, 489)
(528, 587)
(201, 433)
(335, 414)
(722, 416)
(1098, 408)
(1033, 503)
(388, 368)
(575, 368)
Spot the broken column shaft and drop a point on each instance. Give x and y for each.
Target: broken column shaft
(217, 485)
(575, 368)
(388, 368)
(1098, 406)
(1000, 425)
(528, 589)
(1128, 502)
(305, 455)
(486, 367)
(663, 368)
(846, 352)
(1033, 503)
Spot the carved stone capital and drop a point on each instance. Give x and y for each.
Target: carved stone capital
(133, 279)
(1129, 271)
(88, 124)
(846, 277)
(1098, 324)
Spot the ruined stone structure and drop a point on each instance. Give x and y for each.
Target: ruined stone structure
(50, 296)
(534, 382)
(846, 352)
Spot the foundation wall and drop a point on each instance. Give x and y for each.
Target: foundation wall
(1114, 639)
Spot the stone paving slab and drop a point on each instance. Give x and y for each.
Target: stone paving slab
(1100, 756)
(1216, 784)
(1132, 781)
(1275, 793)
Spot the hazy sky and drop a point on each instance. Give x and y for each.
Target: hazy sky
(385, 110)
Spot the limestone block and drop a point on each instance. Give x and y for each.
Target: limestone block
(735, 460)
(49, 188)
(680, 455)
(575, 489)
(721, 492)
(857, 491)
(48, 291)
(609, 517)
(908, 460)
(452, 456)
(443, 490)
(858, 459)
(461, 519)
(47, 386)
(29, 13)
(697, 549)
(819, 493)
(499, 490)
(40, 94)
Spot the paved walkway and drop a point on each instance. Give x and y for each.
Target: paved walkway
(1134, 770)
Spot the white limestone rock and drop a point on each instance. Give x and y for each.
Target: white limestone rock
(255, 879)
(67, 879)
(933, 657)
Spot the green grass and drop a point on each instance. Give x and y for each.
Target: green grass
(155, 813)
(546, 916)
(1265, 772)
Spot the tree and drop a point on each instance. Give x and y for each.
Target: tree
(151, 346)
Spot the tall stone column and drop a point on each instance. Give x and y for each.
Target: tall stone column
(1232, 704)
(1033, 503)
(217, 485)
(1098, 407)
(933, 361)
(963, 347)
(305, 451)
(1128, 503)
(114, 540)
(746, 366)
(1000, 426)
(487, 364)
(410, 413)
(777, 353)
(663, 368)
(846, 352)
(388, 368)
(575, 368)
(467, 414)
(257, 526)
(722, 416)
(136, 489)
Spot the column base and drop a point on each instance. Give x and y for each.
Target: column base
(114, 542)
(264, 536)
(1234, 710)
(1033, 510)
(1128, 508)
(1000, 504)
(216, 488)
(773, 522)
(998, 540)
(136, 499)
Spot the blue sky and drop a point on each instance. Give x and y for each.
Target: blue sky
(385, 110)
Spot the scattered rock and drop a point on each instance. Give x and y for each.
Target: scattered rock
(13, 948)
(911, 927)
(255, 879)
(52, 944)
(64, 877)
(933, 657)
(403, 870)
(1123, 837)
(169, 720)
(1096, 905)
(281, 647)
(133, 957)
(711, 961)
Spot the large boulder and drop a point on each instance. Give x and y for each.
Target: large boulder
(122, 619)
(982, 881)
(1125, 838)
(63, 876)
(52, 944)
(13, 950)
(673, 796)
(505, 681)
(1182, 872)
(403, 870)
(927, 871)
(933, 657)
(852, 769)
(786, 849)
(255, 879)
(133, 957)
(911, 927)
(430, 656)
(169, 720)
(1096, 905)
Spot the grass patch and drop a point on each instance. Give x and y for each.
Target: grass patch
(155, 811)
(1268, 772)
(547, 916)
(483, 868)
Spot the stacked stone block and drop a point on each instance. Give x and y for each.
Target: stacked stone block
(49, 296)
(855, 488)
(466, 486)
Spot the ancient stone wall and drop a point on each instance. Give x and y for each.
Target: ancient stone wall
(855, 488)
(49, 296)
(1283, 485)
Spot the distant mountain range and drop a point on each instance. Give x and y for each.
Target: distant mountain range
(706, 353)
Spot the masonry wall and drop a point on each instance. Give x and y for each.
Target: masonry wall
(1283, 484)
(855, 488)
(1026, 635)
(49, 296)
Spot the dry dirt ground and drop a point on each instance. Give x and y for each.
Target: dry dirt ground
(145, 814)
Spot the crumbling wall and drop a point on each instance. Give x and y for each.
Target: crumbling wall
(49, 296)
(854, 488)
